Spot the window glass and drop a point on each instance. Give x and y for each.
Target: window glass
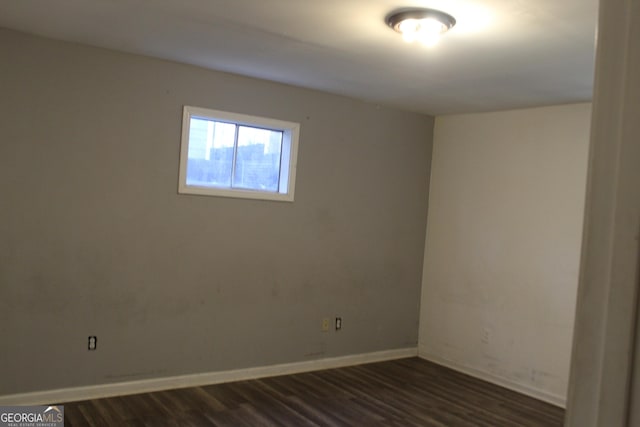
(234, 155)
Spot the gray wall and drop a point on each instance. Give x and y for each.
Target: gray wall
(95, 240)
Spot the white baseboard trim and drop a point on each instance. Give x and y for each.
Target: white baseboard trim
(195, 380)
(543, 395)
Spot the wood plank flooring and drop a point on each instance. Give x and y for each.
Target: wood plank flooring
(405, 392)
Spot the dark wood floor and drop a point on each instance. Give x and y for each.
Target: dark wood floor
(406, 392)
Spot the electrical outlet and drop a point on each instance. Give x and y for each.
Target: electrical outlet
(486, 335)
(338, 323)
(93, 343)
(325, 324)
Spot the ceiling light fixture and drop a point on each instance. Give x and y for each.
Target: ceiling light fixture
(424, 25)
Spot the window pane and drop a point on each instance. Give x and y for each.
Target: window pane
(258, 159)
(210, 157)
(236, 155)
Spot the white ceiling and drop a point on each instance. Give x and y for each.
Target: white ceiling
(501, 54)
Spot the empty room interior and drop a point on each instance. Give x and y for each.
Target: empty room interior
(426, 210)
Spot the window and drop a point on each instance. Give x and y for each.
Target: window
(235, 155)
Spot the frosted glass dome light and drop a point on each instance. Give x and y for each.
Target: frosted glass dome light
(424, 25)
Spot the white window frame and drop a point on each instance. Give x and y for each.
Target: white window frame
(288, 163)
